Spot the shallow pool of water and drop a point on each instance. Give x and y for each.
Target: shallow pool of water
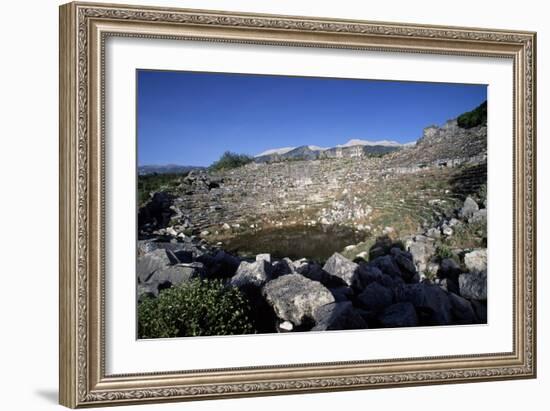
(312, 242)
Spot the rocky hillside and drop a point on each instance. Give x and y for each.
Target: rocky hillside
(395, 284)
(417, 256)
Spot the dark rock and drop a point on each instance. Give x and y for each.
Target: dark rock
(342, 293)
(398, 315)
(388, 266)
(462, 310)
(448, 268)
(184, 256)
(157, 212)
(376, 252)
(375, 297)
(405, 263)
(283, 267)
(337, 316)
(431, 302)
(370, 273)
(295, 297)
(480, 308)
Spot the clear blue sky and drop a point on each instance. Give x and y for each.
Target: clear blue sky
(190, 118)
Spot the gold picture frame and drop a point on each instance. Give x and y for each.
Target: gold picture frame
(83, 30)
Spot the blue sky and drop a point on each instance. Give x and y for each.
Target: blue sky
(191, 118)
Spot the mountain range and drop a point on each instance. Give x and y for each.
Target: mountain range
(353, 148)
(165, 169)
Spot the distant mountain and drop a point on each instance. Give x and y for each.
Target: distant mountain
(166, 169)
(353, 148)
(358, 142)
(282, 150)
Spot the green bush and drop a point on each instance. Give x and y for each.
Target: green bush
(443, 252)
(230, 160)
(196, 308)
(476, 117)
(149, 183)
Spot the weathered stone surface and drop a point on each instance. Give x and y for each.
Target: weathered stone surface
(462, 310)
(339, 266)
(283, 267)
(422, 251)
(473, 285)
(173, 276)
(254, 274)
(342, 293)
(285, 327)
(433, 232)
(404, 261)
(387, 265)
(370, 273)
(468, 209)
(476, 261)
(399, 315)
(295, 297)
(480, 308)
(448, 267)
(151, 262)
(375, 297)
(447, 230)
(431, 301)
(478, 216)
(264, 257)
(337, 316)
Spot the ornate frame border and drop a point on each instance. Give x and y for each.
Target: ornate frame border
(83, 30)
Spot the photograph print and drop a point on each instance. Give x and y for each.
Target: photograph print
(283, 204)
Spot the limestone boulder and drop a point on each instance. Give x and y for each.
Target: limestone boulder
(476, 261)
(347, 271)
(473, 285)
(294, 297)
(254, 274)
(151, 262)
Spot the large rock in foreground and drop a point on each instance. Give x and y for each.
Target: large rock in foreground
(254, 274)
(294, 297)
(375, 297)
(399, 315)
(339, 266)
(338, 316)
(151, 262)
(170, 277)
(430, 301)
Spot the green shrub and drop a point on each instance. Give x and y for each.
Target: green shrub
(230, 160)
(443, 252)
(149, 183)
(476, 117)
(196, 308)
